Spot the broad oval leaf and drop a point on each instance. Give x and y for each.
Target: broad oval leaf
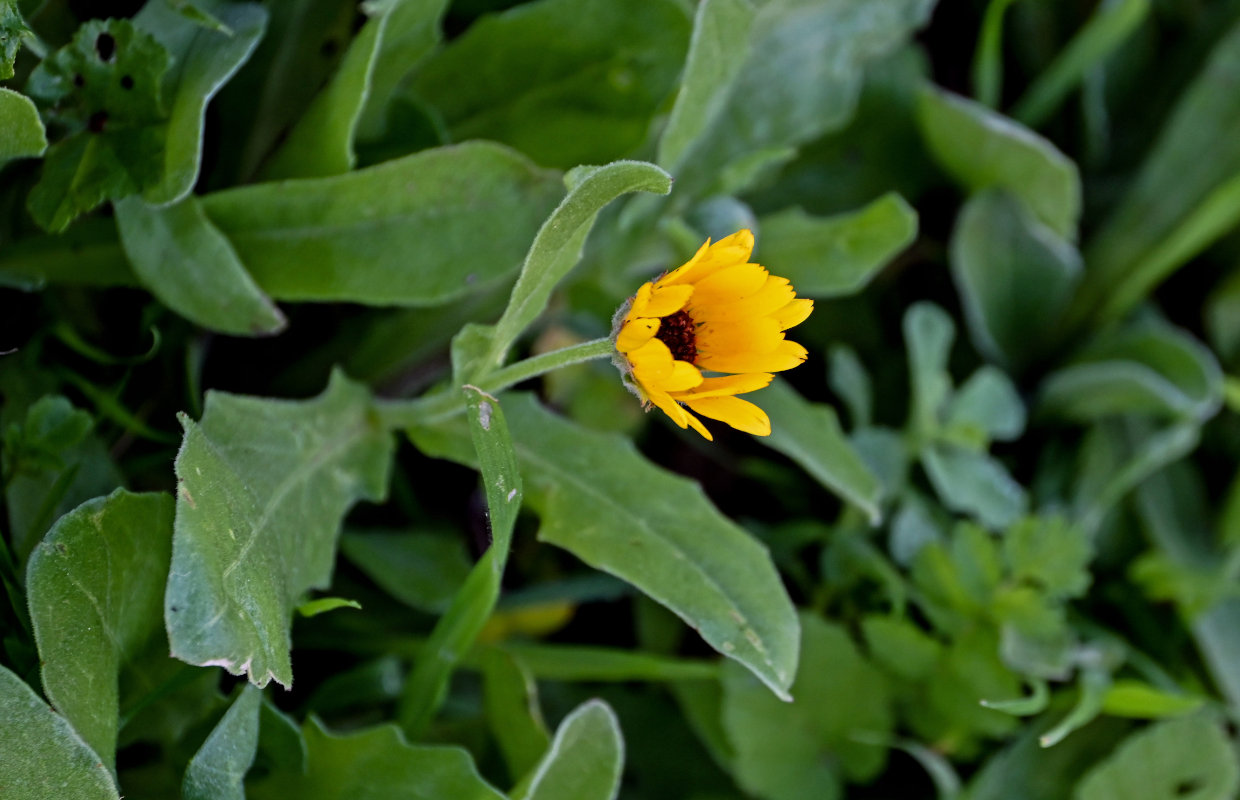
(418, 230)
(188, 264)
(41, 755)
(96, 585)
(981, 148)
(374, 763)
(603, 502)
(585, 759)
(24, 136)
(974, 483)
(836, 256)
(263, 485)
(1187, 758)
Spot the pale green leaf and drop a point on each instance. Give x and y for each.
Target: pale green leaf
(928, 335)
(809, 434)
(1049, 553)
(263, 485)
(203, 59)
(190, 266)
(1015, 277)
(584, 761)
(619, 513)
(217, 771)
(1130, 698)
(40, 754)
(851, 383)
(23, 134)
(96, 585)
(973, 483)
(321, 605)
(1181, 759)
(982, 149)
(836, 256)
(419, 230)
(717, 50)
(374, 764)
(321, 143)
(988, 402)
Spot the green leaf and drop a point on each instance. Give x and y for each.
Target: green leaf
(510, 695)
(1129, 698)
(190, 266)
(557, 247)
(717, 51)
(217, 771)
(806, 748)
(782, 98)
(973, 483)
(988, 403)
(851, 383)
(117, 145)
(566, 81)
(809, 434)
(322, 605)
(1148, 368)
(321, 143)
(1015, 277)
(412, 33)
(263, 485)
(12, 30)
(836, 256)
(419, 230)
(203, 59)
(1050, 553)
(584, 761)
(928, 335)
(374, 763)
(1181, 759)
(96, 585)
(422, 570)
(982, 149)
(458, 629)
(1175, 206)
(616, 511)
(41, 755)
(900, 647)
(24, 136)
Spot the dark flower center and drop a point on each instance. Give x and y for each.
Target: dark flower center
(677, 332)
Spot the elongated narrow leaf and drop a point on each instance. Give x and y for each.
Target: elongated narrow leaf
(41, 755)
(584, 761)
(457, 630)
(188, 264)
(810, 434)
(1015, 277)
(412, 33)
(418, 230)
(981, 149)
(836, 256)
(321, 143)
(374, 763)
(217, 771)
(24, 136)
(717, 51)
(96, 585)
(513, 714)
(616, 511)
(263, 485)
(203, 59)
(557, 248)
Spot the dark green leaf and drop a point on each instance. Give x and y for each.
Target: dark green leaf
(422, 570)
(217, 771)
(40, 754)
(96, 585)
(412, 33)
(836, 256)
(188, 264)
(263, 485)
(513, 713)
(12, 29)
(417, 231)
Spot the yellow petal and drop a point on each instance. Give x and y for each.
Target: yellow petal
(794, 313)
(640, 300)
(635, 333)
(728, 285)
(735, 248)
(651, 362)
(761, 335)
(774, 294)
(668, 300)
(684, 376)
(697, 425)
(680, 274)
(740, 414)
(668, 406)
(786, 356)
(728, 385)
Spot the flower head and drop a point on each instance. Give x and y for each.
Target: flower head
(718, 313)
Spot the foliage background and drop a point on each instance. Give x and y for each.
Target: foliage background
(989, 551)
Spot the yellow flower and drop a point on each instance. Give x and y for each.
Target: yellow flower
(719, 314)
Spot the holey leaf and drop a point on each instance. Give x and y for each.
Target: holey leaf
(600, 500)
(263, 487)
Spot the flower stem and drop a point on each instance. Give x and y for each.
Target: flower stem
(395, 414)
